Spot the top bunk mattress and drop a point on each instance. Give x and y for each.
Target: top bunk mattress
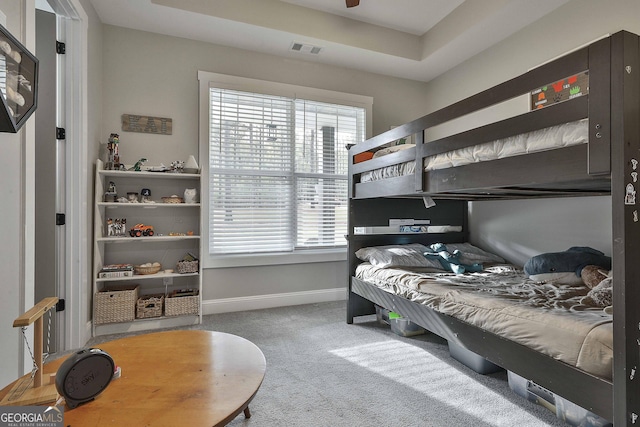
(564, 135)
(547, 317)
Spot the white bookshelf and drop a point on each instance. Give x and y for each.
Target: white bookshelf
(177, 228)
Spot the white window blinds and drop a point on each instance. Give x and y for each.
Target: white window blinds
(278, 172)
(322, 133)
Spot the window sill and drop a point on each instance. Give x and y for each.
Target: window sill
(300, 257)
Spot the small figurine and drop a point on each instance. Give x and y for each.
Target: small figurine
(177, 166)
(190, 195)
(111, 195)
(145, 196)
(138, 166)
(114, 155)
(121, 225)
(116, 227)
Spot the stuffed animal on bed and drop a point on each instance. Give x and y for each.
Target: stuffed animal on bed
(592, 275)
(450, 261)
(565, 267)
(600, 295)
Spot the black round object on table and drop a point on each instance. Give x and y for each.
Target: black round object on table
(84, 375)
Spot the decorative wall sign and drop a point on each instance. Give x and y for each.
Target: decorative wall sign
(562, 90)
(146, 124)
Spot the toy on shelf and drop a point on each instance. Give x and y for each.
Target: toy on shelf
(111, 195)
(116, 227)
(190, 195)
(145, 196)
(114, 154)
(177, 166)
(141, 230)
(138, 166)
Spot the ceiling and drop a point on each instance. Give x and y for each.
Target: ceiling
(413, 39)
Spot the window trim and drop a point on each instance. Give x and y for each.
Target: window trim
(224, 81)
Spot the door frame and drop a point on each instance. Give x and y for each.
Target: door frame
(72, 115)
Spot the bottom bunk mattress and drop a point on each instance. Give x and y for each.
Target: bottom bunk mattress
(500, 299)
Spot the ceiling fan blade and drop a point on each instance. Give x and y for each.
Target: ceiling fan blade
(352, 3)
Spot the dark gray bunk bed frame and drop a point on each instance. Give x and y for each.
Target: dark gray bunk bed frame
(603, 166)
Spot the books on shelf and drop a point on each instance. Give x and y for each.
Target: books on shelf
(116, 270)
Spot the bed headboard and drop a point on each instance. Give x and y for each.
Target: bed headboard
(377, 212)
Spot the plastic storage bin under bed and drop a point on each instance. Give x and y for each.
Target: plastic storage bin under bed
(567, 411)
(399, 325)
(472, 360)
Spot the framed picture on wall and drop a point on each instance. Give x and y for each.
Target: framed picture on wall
(18, 82)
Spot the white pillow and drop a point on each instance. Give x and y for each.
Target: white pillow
(410, 255)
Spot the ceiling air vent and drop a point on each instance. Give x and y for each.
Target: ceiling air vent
(305, 48)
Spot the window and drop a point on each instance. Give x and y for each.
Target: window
(277, 170)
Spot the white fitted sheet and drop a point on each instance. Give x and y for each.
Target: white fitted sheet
(563, 135)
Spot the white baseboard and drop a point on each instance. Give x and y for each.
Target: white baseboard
(228, 305)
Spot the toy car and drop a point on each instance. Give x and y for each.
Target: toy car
(141, 230)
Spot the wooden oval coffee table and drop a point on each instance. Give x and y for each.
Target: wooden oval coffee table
(174, 378)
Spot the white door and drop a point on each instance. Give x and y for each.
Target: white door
(49, 181)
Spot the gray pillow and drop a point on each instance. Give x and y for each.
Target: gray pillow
(412, 255)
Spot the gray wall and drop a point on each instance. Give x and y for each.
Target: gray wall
(12, 287)
(152, 74)
(519, 229)
(156, 75)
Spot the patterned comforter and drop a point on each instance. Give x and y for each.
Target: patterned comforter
(545, 316)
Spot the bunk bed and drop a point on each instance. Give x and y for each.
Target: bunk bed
(601, 160)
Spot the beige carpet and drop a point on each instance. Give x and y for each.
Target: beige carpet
(323, 372)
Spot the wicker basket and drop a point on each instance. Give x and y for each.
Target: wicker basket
(116, 304)
(179, 306)
(149, 306)
(172, 199)
(187, 267)
(147, 270)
